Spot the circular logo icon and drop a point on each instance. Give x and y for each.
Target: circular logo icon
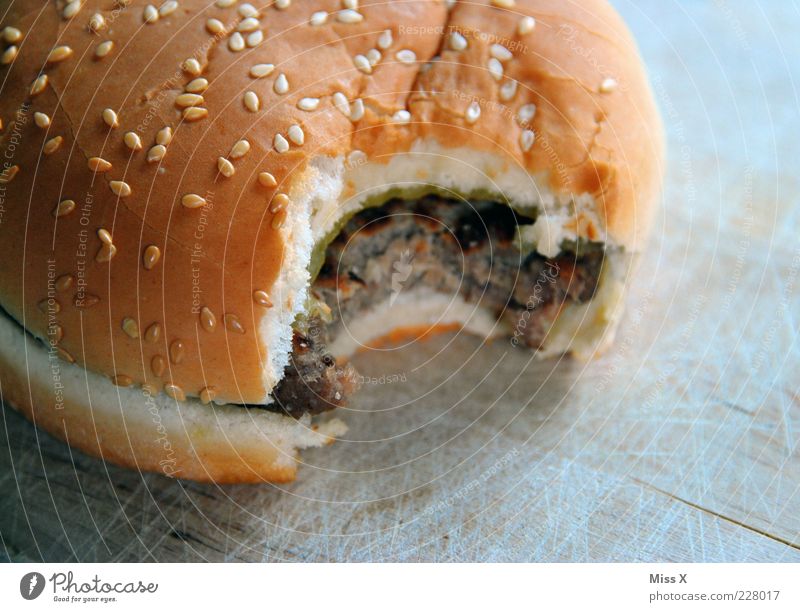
(31, 585)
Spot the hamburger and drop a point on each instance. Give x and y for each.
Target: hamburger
(199, 199)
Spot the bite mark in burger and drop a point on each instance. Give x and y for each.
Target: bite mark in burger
(199, 231)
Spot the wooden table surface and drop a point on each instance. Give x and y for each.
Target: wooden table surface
(681, 444)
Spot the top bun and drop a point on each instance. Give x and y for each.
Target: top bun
(168, 170)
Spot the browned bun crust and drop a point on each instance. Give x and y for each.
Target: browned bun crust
(596, 128)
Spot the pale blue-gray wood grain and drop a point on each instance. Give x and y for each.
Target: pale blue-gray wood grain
(681, 444)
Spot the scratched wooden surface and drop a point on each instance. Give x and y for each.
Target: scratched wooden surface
(680, 444)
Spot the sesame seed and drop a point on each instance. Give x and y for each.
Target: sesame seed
(87, 301)
(239, 149)
(106, 253)
(98, 164)
(192, 200)
(59, 54)
(350, 4)
(281, 84)
(608, 85)
(39, 85)
(65, 356)
(188, 99)
(349, 16)
(308, 104)
(152, 333)
(97, 22)
(52, 145)
(64, 208)
(248, 25)
(156, 153)
(236, 42)
(280, 143)
(233, 324)
(175, 392)
(495, 68)
(473, 112)
(279, 219)
(110, 118)
(279, 202)
(251, 102)
(266, 179)
(526, 113)
(158, 364)
(406, 56)
(195, 113)
(282, 4)
(130, 327)
(41, 120)
(261, 70)
(208, 394)
(177, 351)
(120, 188)
(169, 7)
(207, 319)
(225, 167)
(9, 55)
(215, 26)
(255, 39)
(385, 40)
(57, 332)
(318, 18)
(150, 14)
(506, 4)
(508, 90)
(198, 85)
(296, 135)
(457, 41)
(357, 112)
(341, 103)
(11, 35)
(71, 9)
(164, 136)
(526, 140)
(104, 48)
(374, 56)
(46, 305)
(104, 235)
(526, 25)
(500, 52)
(225, 3)
(247, 10)
(64, 282)
(262, 299)
(8, 174)
(192, 66)
(122, 380)
(356, 157)
(151, 256)
(362, 63)
(401, 116)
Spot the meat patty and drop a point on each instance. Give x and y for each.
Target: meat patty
(448, 246)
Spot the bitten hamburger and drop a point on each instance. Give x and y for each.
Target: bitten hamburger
(198, 200)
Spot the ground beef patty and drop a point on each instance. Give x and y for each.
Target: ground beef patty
(449, 246)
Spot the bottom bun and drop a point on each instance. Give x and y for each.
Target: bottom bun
(129, 427)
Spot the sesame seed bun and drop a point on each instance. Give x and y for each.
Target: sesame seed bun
(169, 172)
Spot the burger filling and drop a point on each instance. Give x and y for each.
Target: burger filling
(468, 249)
